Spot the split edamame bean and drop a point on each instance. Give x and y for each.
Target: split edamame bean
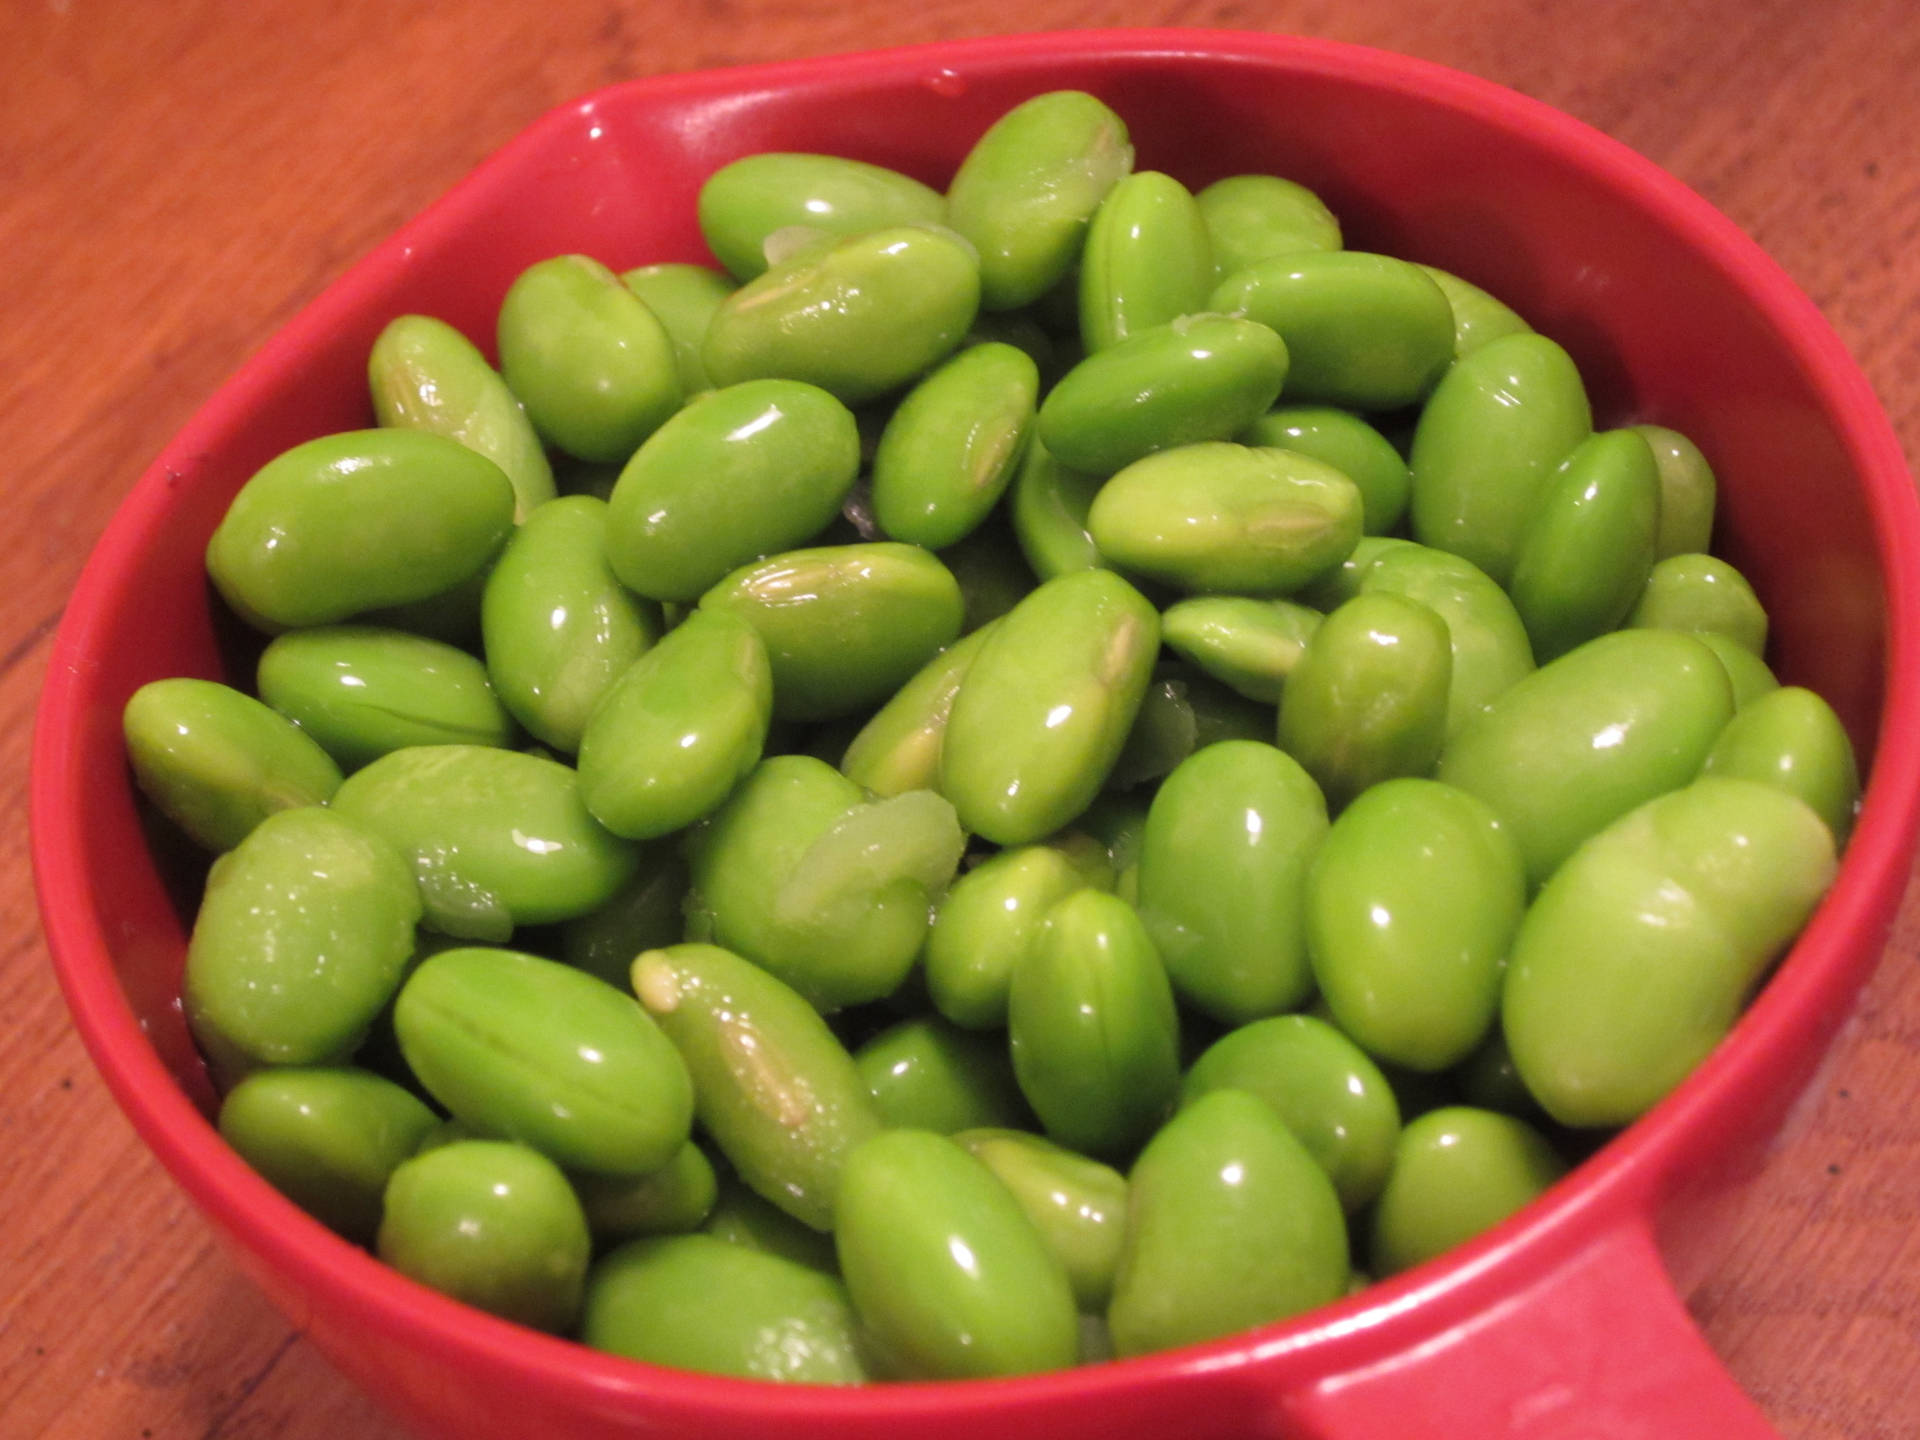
(830, 892)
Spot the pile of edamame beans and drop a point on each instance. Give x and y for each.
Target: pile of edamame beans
(1046, 771)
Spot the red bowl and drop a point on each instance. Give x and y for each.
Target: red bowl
(1565, 1320)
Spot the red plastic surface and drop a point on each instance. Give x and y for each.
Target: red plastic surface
(1560, 1318)
(1598, 1347)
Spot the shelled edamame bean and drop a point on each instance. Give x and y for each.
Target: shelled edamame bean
(1005, 681)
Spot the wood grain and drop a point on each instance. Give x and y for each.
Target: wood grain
(176, 180)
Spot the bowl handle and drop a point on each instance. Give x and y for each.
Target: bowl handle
(1601, 1348)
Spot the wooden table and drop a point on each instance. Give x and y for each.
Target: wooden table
(176, 180)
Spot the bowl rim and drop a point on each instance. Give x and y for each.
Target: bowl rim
(1803, 1004)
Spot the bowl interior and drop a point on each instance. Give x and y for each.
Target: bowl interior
(1670, 316)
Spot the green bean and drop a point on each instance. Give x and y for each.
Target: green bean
(536, 1051)
(1094, 1032)
(748, 200)
(353, 522)
(1330, 1093)
(558, 626)
(947, 1273)
(738, 473)
(1222, 878)
(1412, 904)
(1231, 1223)
(426, 375)
(1078, 1205)
(217, 762)
(1044, 711)
(303, 933)
(327, 1139)
(497, 838)
(1251, 218)
(1456, 1172)
(858, 317)
(773, 1087)
(697, 1303)
(588, 359)
(362, 691)
(1147, 259)
(679, 728)
(1365, 331)
(1024, 193)
(1636, 956)
(493, 1224)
